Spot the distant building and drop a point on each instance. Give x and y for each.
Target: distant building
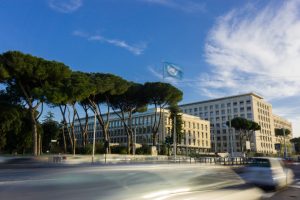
(250, 106)
(279, 123)
(196, 132)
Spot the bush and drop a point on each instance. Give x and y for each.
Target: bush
(99, 148)
(118, 149)
(143, 150)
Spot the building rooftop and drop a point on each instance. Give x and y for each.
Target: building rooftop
(224, 98)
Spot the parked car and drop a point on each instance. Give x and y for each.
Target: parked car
(265, 171)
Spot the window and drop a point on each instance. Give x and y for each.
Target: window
(217, 112)
(248, 108)
(242, 109)
(234, 103)
(217, 106)
(211, 107)
(195, 109)
(222, 105)
(228, 104)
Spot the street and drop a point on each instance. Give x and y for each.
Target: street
(133, 181)
(121, 182)
(293, 190)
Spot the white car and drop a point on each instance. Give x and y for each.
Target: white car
(264, 171)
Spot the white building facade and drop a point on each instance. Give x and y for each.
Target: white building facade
(196, 132)
(250, 106)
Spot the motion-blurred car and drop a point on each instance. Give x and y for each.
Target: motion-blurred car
(267, 172)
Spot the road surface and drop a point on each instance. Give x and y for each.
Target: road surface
(128, 182)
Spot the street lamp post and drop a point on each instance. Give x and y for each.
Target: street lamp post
(174, 138)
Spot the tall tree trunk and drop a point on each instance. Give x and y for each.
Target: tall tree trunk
(64, 138)
(72, 128)
(63, 112)
(34, 131)
(85, 135)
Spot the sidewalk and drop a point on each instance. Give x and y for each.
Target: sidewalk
(287, 194)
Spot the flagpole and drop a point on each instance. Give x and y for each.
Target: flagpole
(163, 69)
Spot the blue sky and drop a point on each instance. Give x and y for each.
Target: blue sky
(224, 47)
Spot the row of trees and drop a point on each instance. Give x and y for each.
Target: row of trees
(245, 129)
(34, 81)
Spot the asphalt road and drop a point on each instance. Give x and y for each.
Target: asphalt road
(292, 192)
(142, 181)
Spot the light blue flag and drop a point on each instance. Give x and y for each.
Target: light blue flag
(172, 70)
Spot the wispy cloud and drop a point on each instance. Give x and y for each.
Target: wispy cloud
(136, 49)
(65, 6)
(183, 5)
(256, 50)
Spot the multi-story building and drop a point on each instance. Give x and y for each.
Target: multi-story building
(218, 111)
(280, 123)
(196, 132)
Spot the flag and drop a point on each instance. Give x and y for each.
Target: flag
(172, 70)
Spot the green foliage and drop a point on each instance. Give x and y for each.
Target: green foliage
(175, 111)
(50, 129)
(282, 132)
(158, 93)
(85, 151)
(34, 80)
(243, 124)
(131, 100)
(144, 150)
(118, 150)
(14, 126)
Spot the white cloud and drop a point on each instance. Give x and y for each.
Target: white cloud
(256, 50)
(183, 5)
(65, 6)
(136, 49)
